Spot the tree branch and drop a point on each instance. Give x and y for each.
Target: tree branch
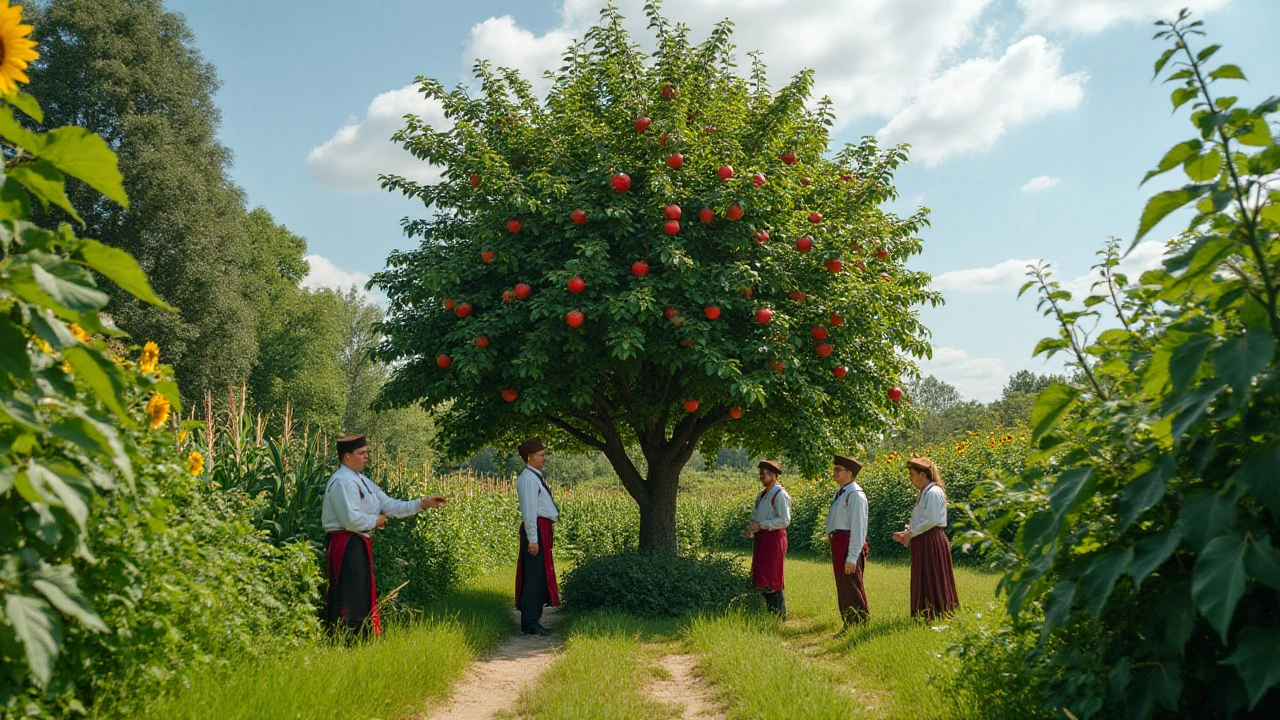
(581, 435)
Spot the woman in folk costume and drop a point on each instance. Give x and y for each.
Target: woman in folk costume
(847, 531)
(933, 584)
(353, 508)
(536, 585)
(768, 529)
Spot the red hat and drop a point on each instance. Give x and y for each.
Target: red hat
(770, 465)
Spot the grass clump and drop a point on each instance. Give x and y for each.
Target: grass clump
(657, 585)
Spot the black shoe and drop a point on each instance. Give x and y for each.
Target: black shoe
(542, 631)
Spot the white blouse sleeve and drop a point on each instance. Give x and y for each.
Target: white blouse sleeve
(857, 526)
(933, 511)
(393, 508)
(345, 497)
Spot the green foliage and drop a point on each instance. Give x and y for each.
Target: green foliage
(620, 380)
(1142, 531)
(652, 585)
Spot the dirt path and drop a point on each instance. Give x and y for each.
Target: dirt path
(684, 688)
(493, 682)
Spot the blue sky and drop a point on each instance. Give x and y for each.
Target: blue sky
(1031, 121)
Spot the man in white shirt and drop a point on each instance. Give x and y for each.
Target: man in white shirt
(768, 530)
(354, 506)
(847, 531)
(536, 584)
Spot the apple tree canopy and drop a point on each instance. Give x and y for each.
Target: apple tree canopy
(660, 360)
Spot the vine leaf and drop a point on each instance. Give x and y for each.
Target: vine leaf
(1050, 405)
(1218, 580)
(1257, 660)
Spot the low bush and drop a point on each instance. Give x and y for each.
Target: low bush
(656, 585)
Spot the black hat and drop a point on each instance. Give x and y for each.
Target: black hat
(849, 464)
(770, 465)
(529, 447)
(350, 444)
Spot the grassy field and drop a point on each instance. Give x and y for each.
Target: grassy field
(761, 668)
(411, 667)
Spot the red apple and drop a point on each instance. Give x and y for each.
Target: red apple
(671, 212)
(475, 180)
(834, 265)
(725, 172)
(514, 225)
(691, 405)
(824, 349)
(797, 296)
(463, 310)
(840, 372)
(819, 332)
(662, 139)
(577, 285)
(747, 292)
(836, 320)
(735, 212)
(672, 227)
(574, 318)
(882, 254)
(448, 303)
(846, 178)
(712, 312)
(758, 180)
(642, 123)
(669, 312)
(895, 393)
(804, 244)
(706, 214)
(777, 366)
(669, 92)
(508, 297)
(789, 158)
(510, 394)
(815, 217)
(523, 290)
(735, 412)
(443, 361)
(639, 268)
(764, 315)
(621, 182)
(487, 256)
(805, 181)
(482, 342)
(762, 236)
(675, 161)
(579, 217)
(686, 343)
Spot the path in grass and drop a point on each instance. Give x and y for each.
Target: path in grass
(493, 682)
(682, 688)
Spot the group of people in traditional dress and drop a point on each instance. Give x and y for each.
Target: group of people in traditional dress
(354, 506)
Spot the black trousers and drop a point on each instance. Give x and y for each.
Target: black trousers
(533, 585)
(351, 592)
(776, 602)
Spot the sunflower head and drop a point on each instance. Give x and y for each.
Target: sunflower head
(195, 463)
(158, 410)
(16, 49)
(150, 356)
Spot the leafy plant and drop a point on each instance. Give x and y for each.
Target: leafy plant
(649, 585)
(680, 324)
(1147, 520)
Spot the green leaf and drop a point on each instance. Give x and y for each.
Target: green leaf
(1176, 156)
(100, 374)
(1145, 490)
(1227, 72)
(14, 359)
(1257, 661)
(39, 631)
(1185, 360)
(70, 500)
(1151, 552)
(1164, 59)
(1207, 53)
(83, 155)
(1098, 581)
(1161, 682)
(58, 585)
(1057, 606)
(1166, 202)
(1237, 361)
(46, 183)
(1258, 475)
(1050, 405)
(1194, 405)
(1203, 167)
(72, 290)
(14, 132)
(1256, 134)
(27, 104)
(95, 437)
(1263, 562)
(1205, 516)
(1182, 96)
(15, 204)
(1068, 488)
(1218, 581)
(121, 268)
(169, 389)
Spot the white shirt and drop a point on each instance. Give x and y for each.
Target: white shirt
(930, 510)
(849, 512)
(535, 502)
(354, 502)
(773, 508)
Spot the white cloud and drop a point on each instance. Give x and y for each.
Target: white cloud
(980, 378)
(1092, 16)
(354, 157)
(325, 274)
(1008, 275)
(1040, 182)
(505, 44)
(1146, 256)
(971, 105)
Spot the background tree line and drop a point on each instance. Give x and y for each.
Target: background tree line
(131, 72)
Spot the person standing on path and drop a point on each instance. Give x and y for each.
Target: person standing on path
(768, 529)
(933, 583)
(847, 532)
(354, 506)
(536, 584)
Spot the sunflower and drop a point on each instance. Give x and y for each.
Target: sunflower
(158, 410)
(16, 49)
(195, 463)
(80, 334)
(150, 356)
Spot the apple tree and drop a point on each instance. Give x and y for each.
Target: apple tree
(660, 253)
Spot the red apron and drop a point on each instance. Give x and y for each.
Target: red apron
(767, 557)
(548, 563)
(337, 546)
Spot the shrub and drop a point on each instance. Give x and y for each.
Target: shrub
(654, 584)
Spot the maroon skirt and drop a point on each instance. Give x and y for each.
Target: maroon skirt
(767, 557)
(933, 584)
(851, 593)
(545, 535)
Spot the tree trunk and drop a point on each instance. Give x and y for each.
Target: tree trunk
(658, 512)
